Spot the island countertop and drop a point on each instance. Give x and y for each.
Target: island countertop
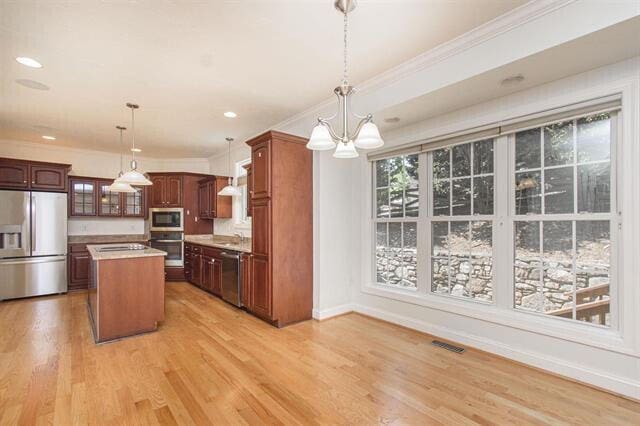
(111, 251)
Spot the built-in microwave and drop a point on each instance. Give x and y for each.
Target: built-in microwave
(166, 219)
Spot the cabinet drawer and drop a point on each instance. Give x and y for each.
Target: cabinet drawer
(211, 251)
(196, 249)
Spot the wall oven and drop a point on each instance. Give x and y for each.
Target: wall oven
(166, 219)
(171, 242)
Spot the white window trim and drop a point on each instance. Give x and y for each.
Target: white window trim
(620, 339)
(237, 202)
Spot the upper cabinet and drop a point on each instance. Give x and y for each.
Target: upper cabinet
(210, 204)
(82, 197)
(166, 190)
(37, 176)
(261, 170)
(90, 196)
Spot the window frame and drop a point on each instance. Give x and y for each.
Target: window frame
(501, 312)
(611, 217)
(410, 219)
(239, 207)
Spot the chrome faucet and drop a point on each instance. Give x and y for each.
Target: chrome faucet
(240, 236)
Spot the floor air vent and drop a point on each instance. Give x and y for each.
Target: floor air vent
(447, 346)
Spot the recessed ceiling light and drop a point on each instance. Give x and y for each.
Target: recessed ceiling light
(49, 138)
(512, 80)
(29, 62)
(32, 84)
(230, 114)
(136, 150)
(392, 120)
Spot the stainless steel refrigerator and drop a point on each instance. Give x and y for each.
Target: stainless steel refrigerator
(33, 243)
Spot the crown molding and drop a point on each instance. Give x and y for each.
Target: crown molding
(504, 23)
(57, 148)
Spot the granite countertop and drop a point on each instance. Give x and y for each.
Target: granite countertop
(104, 239)
(96, 254)
(220, 241)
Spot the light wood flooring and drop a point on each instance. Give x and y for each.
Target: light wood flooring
(211, 363)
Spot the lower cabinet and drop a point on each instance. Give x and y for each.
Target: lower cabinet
(78, 267)
(196, 269)
(260, 283)
(212, 275)
(245, 271)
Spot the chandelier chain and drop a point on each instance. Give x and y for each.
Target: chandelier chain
(344, 74)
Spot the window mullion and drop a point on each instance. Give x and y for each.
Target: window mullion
(502, 226)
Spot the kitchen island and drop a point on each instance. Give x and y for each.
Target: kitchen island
(126, 290)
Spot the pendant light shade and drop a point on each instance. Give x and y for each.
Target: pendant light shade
(320, 139)
(121, 187)
(345, 150)
(230, 190)
(133, 176)
(369, 137)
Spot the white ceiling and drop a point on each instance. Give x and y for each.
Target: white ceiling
(613, 44)
(186, 63)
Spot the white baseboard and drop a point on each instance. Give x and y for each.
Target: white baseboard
(332, 312)
(621, 385)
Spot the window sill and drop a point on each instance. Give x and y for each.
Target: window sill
(585, 334)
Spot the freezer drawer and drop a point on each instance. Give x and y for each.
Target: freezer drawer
(32, 277)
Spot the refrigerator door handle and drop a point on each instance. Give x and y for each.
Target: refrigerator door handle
(33, 224)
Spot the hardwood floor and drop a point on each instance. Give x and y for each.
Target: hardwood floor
(210, 363)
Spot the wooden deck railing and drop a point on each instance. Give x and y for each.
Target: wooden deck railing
(590, 302)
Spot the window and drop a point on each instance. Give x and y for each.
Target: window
(241, 203)
(396, 213)
(563, 218)
(461, 243)
(532, 233)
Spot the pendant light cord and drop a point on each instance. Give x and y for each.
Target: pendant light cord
(344, 71)
(133, 133)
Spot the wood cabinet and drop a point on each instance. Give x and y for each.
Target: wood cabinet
(212, 275)
(281, 267)
(166, 190)
(210, 204)
(109, 203)
(49, 177)
(134, 204)
(245, 274)
(82, 197)
(34, 175)
(89, 196)
(196, 269)
(78, 267)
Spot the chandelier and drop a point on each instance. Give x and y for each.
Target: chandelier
(366, 134)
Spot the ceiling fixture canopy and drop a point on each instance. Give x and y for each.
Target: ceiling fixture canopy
(366, 134)
(133, 176)
(117, 186)
(230, 190)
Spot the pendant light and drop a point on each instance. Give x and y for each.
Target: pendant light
(366, 134)
(117, 186)
(133, 176)
(230, 190)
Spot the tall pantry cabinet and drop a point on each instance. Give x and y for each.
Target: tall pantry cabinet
(281, 277)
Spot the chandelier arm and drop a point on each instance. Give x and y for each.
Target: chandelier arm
(333, 134)
(355, 114)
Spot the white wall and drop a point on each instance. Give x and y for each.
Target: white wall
(98, 164)
(613, 362)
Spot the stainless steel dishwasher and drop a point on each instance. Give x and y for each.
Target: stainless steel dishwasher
(231, 277)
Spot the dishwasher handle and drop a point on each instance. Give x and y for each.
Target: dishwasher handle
(230, 256)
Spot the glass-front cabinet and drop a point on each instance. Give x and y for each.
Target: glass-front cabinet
(109, 203)
(134, 203)
(83, 197)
